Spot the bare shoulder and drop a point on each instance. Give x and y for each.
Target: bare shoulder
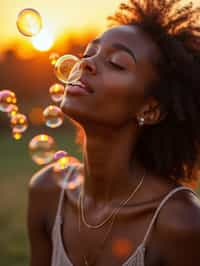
(181, 213)
(43, 197)
(43, 179)
(179, 229)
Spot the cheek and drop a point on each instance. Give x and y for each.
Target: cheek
(124, 91)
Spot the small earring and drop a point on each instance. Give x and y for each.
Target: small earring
(141, 121)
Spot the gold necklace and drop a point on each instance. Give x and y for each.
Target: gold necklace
(112, 217)
(114, 212)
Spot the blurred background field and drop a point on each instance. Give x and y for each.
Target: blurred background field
(16, 169)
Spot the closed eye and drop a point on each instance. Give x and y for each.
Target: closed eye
(110, 62)
(116, 66)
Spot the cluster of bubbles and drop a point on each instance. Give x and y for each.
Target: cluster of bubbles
(42, 147)
(18, 121)
(43, 151)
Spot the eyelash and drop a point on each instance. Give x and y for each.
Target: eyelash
(110, 63)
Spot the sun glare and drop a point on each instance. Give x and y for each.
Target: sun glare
(43, 41)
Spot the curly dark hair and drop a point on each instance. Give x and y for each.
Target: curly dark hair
(170, 148)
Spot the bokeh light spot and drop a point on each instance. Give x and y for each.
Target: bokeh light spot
(122, 247)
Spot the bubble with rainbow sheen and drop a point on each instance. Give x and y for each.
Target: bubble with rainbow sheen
(68, 173)
(57, 91)
(53, 116)
(19, 123)
(29, 22)
(42, 149)
(64, 65)
(7, 100)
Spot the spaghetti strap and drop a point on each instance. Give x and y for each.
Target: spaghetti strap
(161, 205)
(69, 172)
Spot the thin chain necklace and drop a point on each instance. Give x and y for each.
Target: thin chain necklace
(110, 217)
(113, 213)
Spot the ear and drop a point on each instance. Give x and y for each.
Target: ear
(151, 112)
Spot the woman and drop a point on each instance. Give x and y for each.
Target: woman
(137, 105)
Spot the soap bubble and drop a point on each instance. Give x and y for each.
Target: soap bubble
(53, 58)
(29, 22)
(60, 154)
(42, 149)
(61, 171)
(7, 100)
(57, 91)
(19, 123)
(13, 111)
(64, 66)
(53, 116)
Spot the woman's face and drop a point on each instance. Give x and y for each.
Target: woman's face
(118, 67)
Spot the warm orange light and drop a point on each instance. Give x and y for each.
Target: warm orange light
(43, 41)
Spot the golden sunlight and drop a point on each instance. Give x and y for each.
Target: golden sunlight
(43, 41)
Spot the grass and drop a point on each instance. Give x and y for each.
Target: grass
(16, 170)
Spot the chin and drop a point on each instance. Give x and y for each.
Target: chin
(75, 114)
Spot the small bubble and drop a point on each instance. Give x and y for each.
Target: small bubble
(7, 100)
(57, 91)
(61, 171)
(42, 149)
(29, 22)
(19, 123)
(53, 116)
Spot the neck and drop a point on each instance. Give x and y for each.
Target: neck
(110, 170)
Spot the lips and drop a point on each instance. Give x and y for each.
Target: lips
(82, 85)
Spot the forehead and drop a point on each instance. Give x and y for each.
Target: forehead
(134, 38)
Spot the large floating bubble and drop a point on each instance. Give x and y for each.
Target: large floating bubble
(19, 123)
(7, 100)
(42, 149)
(64, 65)
(29, 22)
(53, 116)
(57, 91)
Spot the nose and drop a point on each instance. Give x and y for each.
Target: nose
(88, 65)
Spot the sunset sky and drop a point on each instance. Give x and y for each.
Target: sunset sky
(58, 16)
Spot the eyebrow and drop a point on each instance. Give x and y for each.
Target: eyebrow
(124, 48)
(118, 46)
